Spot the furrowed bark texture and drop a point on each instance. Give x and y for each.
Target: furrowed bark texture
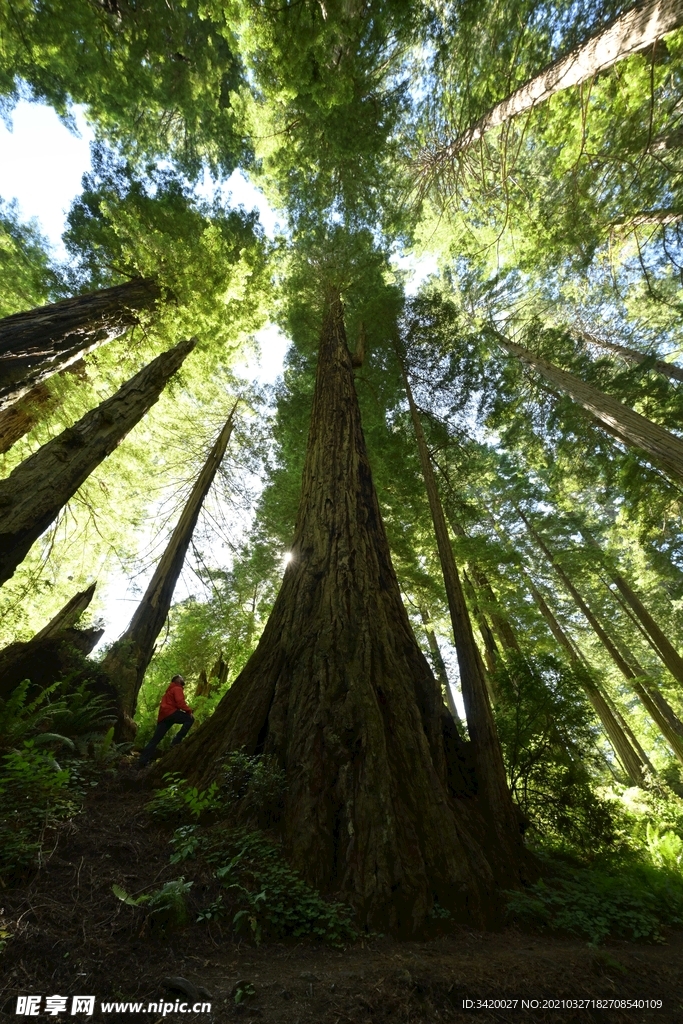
(633, 765)
(627, 426)
(379, 805)
(32, 495)
(127, 660)
(631, 32)
(488, 756)
(630, 355)
(43, 341)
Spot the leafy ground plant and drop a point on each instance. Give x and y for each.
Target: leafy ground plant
(179, 799)
(263, 896)
(633, 902)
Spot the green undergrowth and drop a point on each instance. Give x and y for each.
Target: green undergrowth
(256, 893)
(625, 899)
(53, 749)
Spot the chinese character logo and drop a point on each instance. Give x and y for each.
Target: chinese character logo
(28, 1006)
(83, 1004)
(55, 1004)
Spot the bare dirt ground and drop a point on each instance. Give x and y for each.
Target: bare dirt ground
(71, 935)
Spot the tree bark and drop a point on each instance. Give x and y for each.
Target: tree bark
(627, 426)
(43, 341)
(48, 656)
(126, 662)
(379, 806)
(630, 33)
(33, 494)
(631, 355)
(487, 752)
(18, 419)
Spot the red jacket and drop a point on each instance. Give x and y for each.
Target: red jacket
(173, 700)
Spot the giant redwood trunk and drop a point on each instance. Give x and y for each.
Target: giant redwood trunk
(488, 756)
(631, 32)
(379, 807)
(35, 491)
(126, 662)
(625, 424)
(43, 341)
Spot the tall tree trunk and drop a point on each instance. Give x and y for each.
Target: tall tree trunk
(49, 655)
(35, 491)
(660, 642)
(491, 652)
(487, 752)
(658, 708)
(649, 218)
(43, 341)
(629, 427)
(378, 806)
(631, 355)
(630, 33)
(126, 662)
(440, 672)
(632, 763)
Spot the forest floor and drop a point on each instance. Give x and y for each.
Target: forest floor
(69, 934)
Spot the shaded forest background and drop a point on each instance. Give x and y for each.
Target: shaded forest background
(534, 380)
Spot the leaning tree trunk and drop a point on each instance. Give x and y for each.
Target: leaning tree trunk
(630, 355)
(631, 32)
(440, 672)
(33, 494)
(658, 639)
(377, 806)
(627, 426)
(658, 708)
(635, 766)
(126, 662)
(50, 654)
(43, 341)
(487, 752)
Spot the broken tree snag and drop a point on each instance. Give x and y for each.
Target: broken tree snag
(628, 426)
(43, 341)
(33, 494)
(52, 654)
(380, 806)
(494, 791)
(126, 662)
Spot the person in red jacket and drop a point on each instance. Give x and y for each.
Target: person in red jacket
(173, 710)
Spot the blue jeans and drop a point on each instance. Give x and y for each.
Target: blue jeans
(177, 718)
